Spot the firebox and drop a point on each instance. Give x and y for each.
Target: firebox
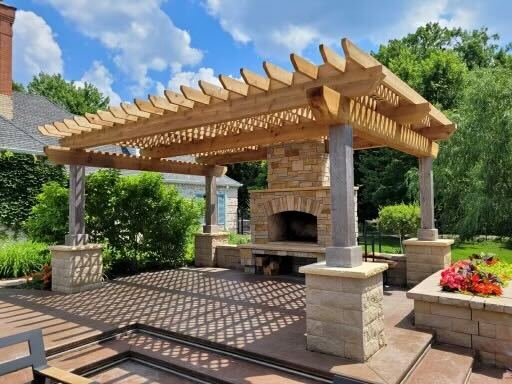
(293, 226)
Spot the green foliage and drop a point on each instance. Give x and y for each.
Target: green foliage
(21, 179)
(501, 269)
(435, 61)
(236, 239)
(48, 221)
(18, 87)
(77, 100)
(382, 174)
(22, 258)
(252, 175)
(146, 224)
(401, 219)
(474, 168)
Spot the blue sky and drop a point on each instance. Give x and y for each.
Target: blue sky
(129, 48)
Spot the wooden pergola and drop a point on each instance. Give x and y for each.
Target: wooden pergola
(352, 103)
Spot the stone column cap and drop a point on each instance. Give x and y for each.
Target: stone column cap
(75, 247)
(362, 271)
(430, 243)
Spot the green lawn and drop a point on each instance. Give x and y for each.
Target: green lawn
(459, 251)
(502, 249)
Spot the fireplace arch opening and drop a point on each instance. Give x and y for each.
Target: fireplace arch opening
(293, 226)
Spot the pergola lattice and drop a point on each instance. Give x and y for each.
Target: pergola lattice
(221, 125)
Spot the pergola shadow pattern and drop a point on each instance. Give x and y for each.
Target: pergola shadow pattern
(244, 311)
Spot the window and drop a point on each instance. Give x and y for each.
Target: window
(221, 207)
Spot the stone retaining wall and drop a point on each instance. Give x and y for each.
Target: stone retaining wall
(480, 323)
(228, 256)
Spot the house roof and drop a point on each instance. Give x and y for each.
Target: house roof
(22, 136)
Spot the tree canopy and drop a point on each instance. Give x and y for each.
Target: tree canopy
(436, 61)
(75, 99)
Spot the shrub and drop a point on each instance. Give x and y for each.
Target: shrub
(146, 224)
(48, 221)
(236, 239)
(22, 258)
(21, 179)
(401, 219)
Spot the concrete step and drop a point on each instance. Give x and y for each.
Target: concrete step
(443, 364)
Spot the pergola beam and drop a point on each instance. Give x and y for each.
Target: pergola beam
(234, 157)
(331, 108)
(59, 155)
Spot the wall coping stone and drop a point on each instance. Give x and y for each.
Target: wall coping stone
(294, 189)
(429, 243)
(283, 246)
(362, 271)
(429, 290)
(214, 234)
(230, 246)
(75, 247)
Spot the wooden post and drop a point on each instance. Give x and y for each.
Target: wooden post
(211, 205)
(76, 235)
(344, 251)
(426, 180)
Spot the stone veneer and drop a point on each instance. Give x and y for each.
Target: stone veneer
(344, 315)
(298, 164)
(426, 257)
(205, 248)
(228, 256)
(483, 324)
(76, 268)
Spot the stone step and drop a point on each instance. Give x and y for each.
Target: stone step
(443, 364)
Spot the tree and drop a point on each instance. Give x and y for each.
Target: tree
(75, 99)
(252, 175)
(434, 60)
(401, 219)
(18, 87)
(474, 169)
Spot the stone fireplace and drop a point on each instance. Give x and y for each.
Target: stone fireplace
(295, 209)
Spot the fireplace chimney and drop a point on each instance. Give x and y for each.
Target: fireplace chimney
(7, 14)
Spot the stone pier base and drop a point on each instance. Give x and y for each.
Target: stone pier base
(76, 268)
(205, 248)
(344, 313)
(426, 257)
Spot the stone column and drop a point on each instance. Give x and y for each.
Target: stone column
(207, 242)
(344, 296)
(426, 254)
(344, 251)
(76, 266)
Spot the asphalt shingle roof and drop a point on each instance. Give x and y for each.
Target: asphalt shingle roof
(21, 135)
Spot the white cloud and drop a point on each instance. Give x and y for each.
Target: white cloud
(190, 79)
(139, 34)
(34, 47)
(279, 27)
(100, 76)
